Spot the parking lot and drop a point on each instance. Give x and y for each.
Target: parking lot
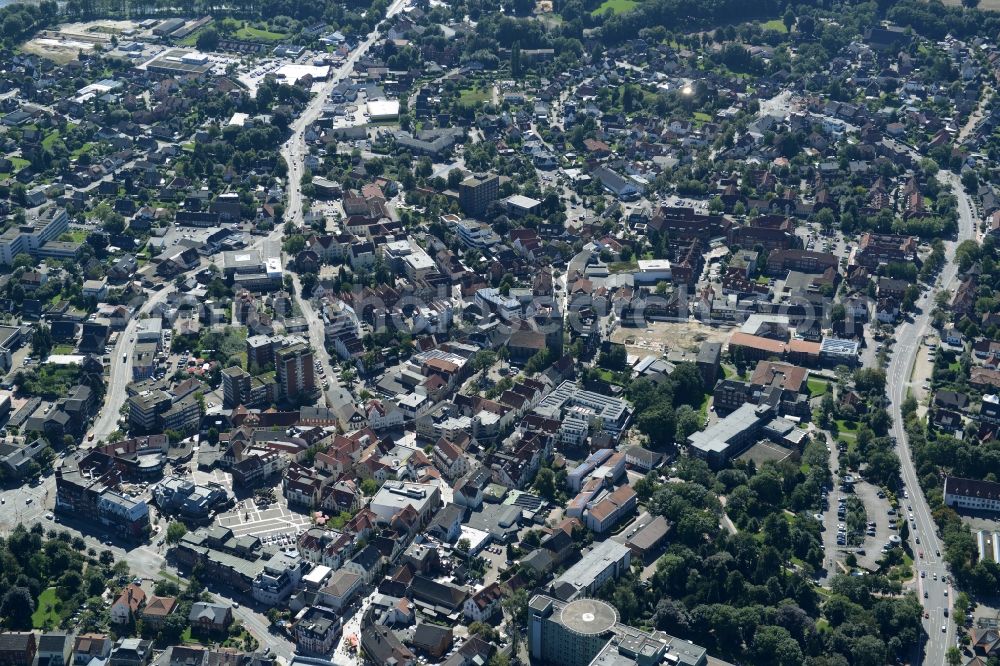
(869, 550)
(276, 523)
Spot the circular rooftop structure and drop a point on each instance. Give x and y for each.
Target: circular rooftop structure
(588, 617)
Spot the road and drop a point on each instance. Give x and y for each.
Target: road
(317, 339)
(294, 150)
(908, 340)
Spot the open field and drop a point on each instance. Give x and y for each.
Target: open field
(615, 7)
(474, 96)
(256, 34)
(660, 337)
(774, 24)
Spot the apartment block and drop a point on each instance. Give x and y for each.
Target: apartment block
(476, 193)
(294, 365)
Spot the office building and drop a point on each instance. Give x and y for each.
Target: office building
(252, 271)
(728, 438)
(144, 408)
(39, 228)
(606, 561)
(569, 401)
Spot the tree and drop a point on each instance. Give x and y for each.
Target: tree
(515, 60)
(175, 532)
(515, 608)
(208, 40)
(114, 223)
(688, 422)
(17, 607)
(41, 341)
(545, 483)
(788, 19)
(954, 656)
(775, 645)
(970, 4)
(689, 387)
(659, 423)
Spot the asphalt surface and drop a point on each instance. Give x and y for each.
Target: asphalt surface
(295, 150)
(121, 369)
(908, 339)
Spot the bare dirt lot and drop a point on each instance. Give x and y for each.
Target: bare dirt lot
(661, 337)
(67, 41)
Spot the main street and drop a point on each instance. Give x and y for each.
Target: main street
(294, 150)
(909, 337)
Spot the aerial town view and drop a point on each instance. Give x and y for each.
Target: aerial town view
(477, 333)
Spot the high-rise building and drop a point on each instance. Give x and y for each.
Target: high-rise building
(294, 365)
(235, 387)
(477, 192)
(586, 632)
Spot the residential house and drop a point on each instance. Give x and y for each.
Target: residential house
(157, 610)
(126, 606)
(210, 617)
(55, 649)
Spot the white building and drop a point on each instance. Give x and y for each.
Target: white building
(394, 496)
(39, 228)
(652, 271)
(971, 494)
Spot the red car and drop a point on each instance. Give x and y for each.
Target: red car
(921, 554)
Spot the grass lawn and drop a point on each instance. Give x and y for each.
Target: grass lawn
(847, 427)
(903, 571)
(85, 148)
(615, 7)
(623, 266)
(62, 349)
(45, 615)
(774, 24)
(171, 577)
(469, 96)
(19, 163)
(192, 39)
(702, 118)
(703, 408)
(74, 236)
(608, 376)
(50, 139)
(817, 386)
(248, 33)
